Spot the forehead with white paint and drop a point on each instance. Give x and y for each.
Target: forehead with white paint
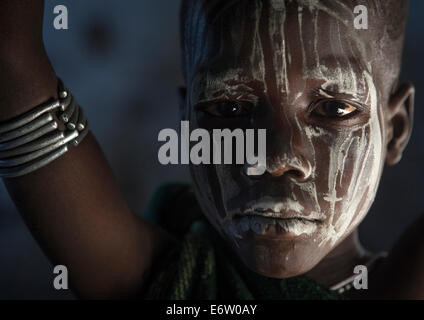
(268, 46)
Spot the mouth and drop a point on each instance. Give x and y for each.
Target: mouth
(275, 224)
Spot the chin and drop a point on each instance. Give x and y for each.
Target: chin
(279, 258)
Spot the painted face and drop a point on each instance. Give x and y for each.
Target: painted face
(299, 70)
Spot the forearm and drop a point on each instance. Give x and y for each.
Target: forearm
(75, 211)
(72, 206)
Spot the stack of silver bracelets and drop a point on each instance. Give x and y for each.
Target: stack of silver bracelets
(33, 140)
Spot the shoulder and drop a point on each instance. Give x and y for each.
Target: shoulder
(400, 275)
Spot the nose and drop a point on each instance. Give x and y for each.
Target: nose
(294, 167)
(288, 154)
(288, 148)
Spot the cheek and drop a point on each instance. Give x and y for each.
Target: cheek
(348, 169)
(367, 168)
(205, 186)
(228, 186)
(215, 185)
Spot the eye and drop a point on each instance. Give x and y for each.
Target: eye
(229, 109)
(333, 109)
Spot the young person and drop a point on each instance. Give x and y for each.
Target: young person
(328, 96)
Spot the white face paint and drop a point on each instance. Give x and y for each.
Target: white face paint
(285, 57)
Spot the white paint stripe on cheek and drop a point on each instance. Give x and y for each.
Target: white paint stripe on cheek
(337, 154)
(346, 154)
(298, 95)
(369, 175)
(376, 145)
(347, 212)
(352, 200)
(341, 158)
(288, 55)
(309, 131)
(334, 169)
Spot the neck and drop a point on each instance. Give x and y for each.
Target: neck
(339, 263)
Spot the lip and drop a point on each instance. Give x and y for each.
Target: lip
(274, 217)
(278, 207)
(279, 215)
(274, 225)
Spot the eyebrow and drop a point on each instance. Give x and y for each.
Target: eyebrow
(250, 84)
(340, 94)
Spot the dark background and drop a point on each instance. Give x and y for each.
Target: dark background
(122, 62)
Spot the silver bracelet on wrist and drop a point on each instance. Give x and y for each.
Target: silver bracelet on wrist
(33, 140)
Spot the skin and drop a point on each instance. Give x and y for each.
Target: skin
(88, 227)
(83, 223)
(318, 167)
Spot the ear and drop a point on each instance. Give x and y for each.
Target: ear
(400, 121)
(182, 102)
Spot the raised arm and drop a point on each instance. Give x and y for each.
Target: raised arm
(72, 206)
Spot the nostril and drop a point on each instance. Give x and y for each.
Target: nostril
(299, 172)
(286, 171)
(297, 175)
(294, 173)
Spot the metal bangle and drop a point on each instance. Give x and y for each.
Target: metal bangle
(13, 162)
(33, 146)
(67, 114)
(82, 120)
(29, 137)
(33, 125)
(80, 137)
(33, 140)
(33, 165)
(28, 117)
(72, 124)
